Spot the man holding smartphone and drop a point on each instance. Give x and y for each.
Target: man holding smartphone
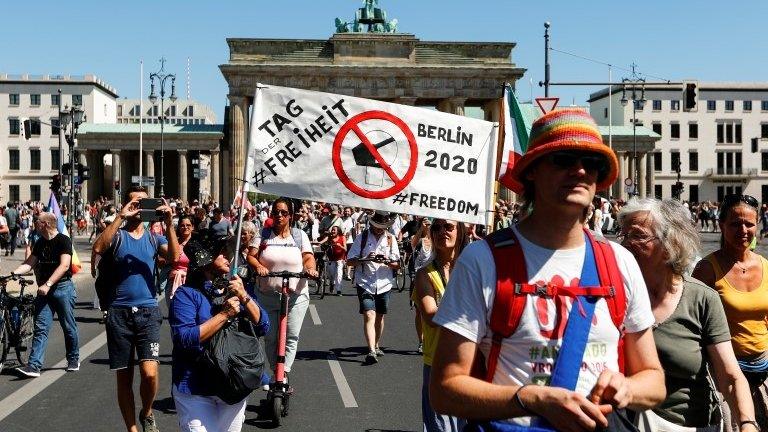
(133, 319)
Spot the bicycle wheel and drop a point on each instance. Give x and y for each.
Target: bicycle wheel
(323, 283)
(26, 329)
(4, 348)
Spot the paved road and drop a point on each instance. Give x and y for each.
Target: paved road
(381, 397)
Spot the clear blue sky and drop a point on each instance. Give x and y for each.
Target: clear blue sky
(709, 41)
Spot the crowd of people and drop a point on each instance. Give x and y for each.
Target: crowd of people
(540, 324)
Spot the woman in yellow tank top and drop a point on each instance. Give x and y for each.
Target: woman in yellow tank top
(448, 239)
(740, 276)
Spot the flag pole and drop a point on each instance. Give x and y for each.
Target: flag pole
(141, 122)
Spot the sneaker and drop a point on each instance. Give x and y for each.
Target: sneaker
(371, 358)
(148, 423)
(379, 352)
(338, 293)
(420, 349)
(73, 366)
(29, 371)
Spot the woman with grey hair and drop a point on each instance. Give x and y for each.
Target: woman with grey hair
(691, 330)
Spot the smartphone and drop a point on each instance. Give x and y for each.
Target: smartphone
(147, 209)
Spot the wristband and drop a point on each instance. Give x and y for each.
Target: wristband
(516, 398)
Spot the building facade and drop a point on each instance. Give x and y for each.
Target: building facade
(712, 143)
(181, 112)
(27, 165)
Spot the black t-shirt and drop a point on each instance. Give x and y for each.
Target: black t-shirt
(48, 254)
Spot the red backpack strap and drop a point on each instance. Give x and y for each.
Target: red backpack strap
(610, 275)
(508, 305)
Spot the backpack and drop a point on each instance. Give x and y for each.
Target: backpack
(233, 359)
(364, 240)
(106, 279)
(512, 289)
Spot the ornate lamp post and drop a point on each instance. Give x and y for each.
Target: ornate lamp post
(73, 116)
(636, 88)
(161, 77)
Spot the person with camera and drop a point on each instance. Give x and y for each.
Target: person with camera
(195, 317)
(50, 258)
(374, 280)
(133, 317)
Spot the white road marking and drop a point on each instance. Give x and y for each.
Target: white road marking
(21, 396)
(315, 316)
(341, 382)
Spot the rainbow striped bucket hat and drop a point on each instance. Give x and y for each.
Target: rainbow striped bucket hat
(565, 129)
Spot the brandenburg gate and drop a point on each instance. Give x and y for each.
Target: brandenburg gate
(379, 63)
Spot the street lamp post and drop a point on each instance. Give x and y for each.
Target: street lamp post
(636, 87)
(73, 116)
(160, 76)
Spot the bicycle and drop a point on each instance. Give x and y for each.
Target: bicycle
(322, 282)
(279, 390)
(16, 320)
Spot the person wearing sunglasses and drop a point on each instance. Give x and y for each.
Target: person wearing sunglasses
(565, 164)
(740, 276)
(284, 248)
(691, 332)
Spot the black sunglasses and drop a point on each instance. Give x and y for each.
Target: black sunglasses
(733, 199)
(590, 161)
(443, 226)
(283, 213)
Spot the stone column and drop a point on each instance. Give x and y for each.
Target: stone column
(453, 105)
(641, 175)
(492, 110)
(237, 143)
(406, 100)
(183, 175)
(116, 175)
(149, 171)
(214, 176)
(649, 175)
(624, 162)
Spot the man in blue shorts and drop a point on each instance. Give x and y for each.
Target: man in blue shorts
(133, 319)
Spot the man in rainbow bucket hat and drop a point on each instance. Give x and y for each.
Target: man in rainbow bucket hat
(545, 326)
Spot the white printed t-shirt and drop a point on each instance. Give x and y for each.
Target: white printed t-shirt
(283, 254)
(528, 355)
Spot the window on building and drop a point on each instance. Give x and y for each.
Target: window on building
(657, 161)
(34, 159)
(693, 130)
(172, 110)
(747, 106)
(737, 128)
(34, 126)
(119, 110)
(55, 98)
(764, 130)
(13, 193)
(14, 126)
(674, 105)
(55, 126)
(693, 193)
(674, 131)
(674, 160)
(77, 100)
(729, 133)
(729, 163)
(155, 110)
(764, 194)
(55, 159)
(34, 99)
(656, 128)
(656, 105)
(729, 105)
(764, 105)
(711, 105)
(191, 111)
(764, 161)
(13, 159)
(34, 192)
(605, 112)
(657, 191)
(693, 161)
(13, 99)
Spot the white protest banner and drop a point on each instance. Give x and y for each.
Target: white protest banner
(379, 155)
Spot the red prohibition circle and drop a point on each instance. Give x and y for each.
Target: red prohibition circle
(353, 125)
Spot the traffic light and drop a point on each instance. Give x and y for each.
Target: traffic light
(754, 145)
(26, 128)
(83, 172)
(65, 168)
(677, 190)
(690, 96)
(55, 183)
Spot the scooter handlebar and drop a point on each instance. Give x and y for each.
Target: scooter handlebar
(289, 275)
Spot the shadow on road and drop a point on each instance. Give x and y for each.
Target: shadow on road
(166, 406)
(263, 413)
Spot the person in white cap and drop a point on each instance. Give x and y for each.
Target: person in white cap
(374, 280)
